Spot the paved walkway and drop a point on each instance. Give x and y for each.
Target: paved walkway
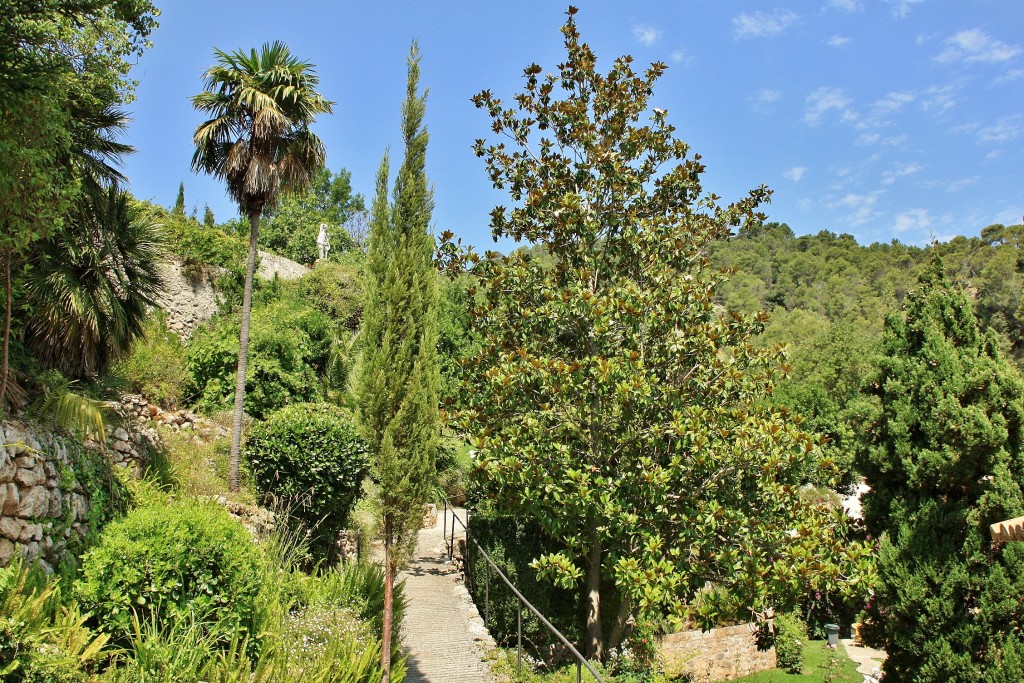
(869, 660)
(442, 633)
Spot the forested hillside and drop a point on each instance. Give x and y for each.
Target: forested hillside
(828, 298)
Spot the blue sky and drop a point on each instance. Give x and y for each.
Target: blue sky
(881, 118)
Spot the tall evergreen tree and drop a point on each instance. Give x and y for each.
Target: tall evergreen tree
(399, 381)
(945, 461)
(179, 203)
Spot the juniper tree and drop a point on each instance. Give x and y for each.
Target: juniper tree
(399, 379)
(945, 461)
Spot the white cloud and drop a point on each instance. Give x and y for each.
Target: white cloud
(1009, 76)
(994, 154)
(679, 56)
(914, 219)
(768, 96)
(1005, 129)
(901, 8)
(889, 177)
(845, 5)
(763, 24)
(892, 102)
(938, 98)
(957, 185)
(825, 99)
(795, 174)
(646, 35)
(862, 205)
(975, 45)
(838, 41)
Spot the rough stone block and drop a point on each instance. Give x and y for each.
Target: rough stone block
(34, 502)
(7, 549)
(11, 528)
(56, 503)
(13, 500)
(27, 477)
(7, 469)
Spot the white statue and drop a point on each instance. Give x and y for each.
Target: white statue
(323, 242)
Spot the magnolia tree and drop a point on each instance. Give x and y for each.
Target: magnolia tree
(610, 399)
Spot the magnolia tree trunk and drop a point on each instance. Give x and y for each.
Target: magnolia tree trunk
(594, 636)
(243, 354)
(388, 617)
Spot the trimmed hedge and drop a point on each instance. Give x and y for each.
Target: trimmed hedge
(310, 458)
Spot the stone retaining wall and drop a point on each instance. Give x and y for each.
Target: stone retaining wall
(42, 507)
(721, 654)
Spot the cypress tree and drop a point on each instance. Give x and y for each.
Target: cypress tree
(945, 461)
(179, 203)
(399, 379)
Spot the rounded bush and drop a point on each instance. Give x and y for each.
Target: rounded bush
(172, 563)
(309, 457)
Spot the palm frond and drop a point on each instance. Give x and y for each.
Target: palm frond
(60, 407)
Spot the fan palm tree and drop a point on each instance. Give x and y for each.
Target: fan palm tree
(258, 141)
(90, 288)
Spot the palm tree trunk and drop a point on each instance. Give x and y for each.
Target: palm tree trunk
(243, 354)
(594, 635)
(388, 617)
(5, 369)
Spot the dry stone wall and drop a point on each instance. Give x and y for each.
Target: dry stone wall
(43, 507)
(721, 654)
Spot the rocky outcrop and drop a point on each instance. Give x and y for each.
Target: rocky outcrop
(190, 297)
(286, 269)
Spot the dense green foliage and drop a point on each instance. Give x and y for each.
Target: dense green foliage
(399, 378)
(173, 563)
(290, 349)
(513, 543)
(292, 227)
(198, 246)
(155, 365)
(610, 399)
(945, 461)
(309, 459)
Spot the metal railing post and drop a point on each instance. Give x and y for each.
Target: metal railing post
(519, 639)
(444, 524)
(487, 592)
(579, 673)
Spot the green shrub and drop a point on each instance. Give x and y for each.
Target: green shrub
(309, 457)
(180, 562)
(513, 543)
(790, 638)
(336, 290)
(289, 347)
(155, 365)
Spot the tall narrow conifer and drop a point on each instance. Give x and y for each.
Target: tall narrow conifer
(399, 380)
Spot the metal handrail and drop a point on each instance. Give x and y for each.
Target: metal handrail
(581, 661)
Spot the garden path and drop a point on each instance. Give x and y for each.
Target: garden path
(443, 636)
